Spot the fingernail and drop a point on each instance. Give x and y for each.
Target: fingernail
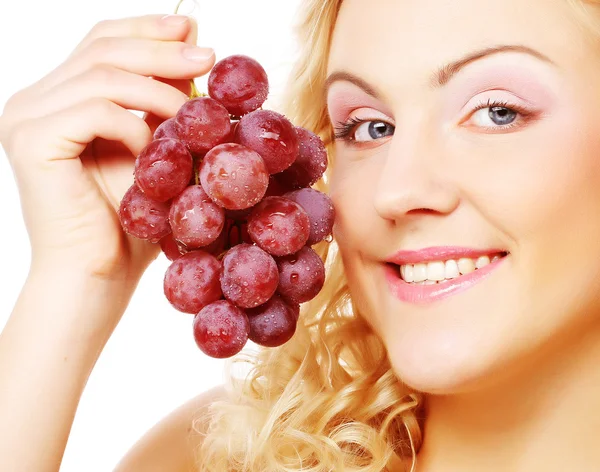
(196, 54)
(174, 20)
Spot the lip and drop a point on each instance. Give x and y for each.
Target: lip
(440, 253)
(422, 294)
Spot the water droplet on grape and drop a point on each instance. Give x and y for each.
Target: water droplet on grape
(294, 277)
(329, 238)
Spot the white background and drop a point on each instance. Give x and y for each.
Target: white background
(151, 364)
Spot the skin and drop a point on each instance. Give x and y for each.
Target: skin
(510, 366)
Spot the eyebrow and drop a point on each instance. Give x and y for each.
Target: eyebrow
(444, 74)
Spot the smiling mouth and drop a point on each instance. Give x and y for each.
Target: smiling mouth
(443, 271)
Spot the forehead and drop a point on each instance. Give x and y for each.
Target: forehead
(404, 40)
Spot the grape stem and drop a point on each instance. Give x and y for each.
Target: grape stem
(194, 93)
(178, 5)
(197, 171)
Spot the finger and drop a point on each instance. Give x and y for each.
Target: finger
(65, 134)
(130, 91)
(184, 85)
(166, 59)
(192, 35)
(159, 27)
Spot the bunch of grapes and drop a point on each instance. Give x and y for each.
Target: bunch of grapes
(225, 188)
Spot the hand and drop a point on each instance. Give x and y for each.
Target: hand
(72, 142)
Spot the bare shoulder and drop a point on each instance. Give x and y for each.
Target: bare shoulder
(170, 444)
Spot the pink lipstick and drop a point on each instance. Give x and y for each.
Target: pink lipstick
(412, 293)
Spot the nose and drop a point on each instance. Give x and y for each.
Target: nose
(413, 179)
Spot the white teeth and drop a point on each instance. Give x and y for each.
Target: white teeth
(419, 272)
(466, 265)
(438, 271)
(406, 272)
(482, 262)
(451, 269)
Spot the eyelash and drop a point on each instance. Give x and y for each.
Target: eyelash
(524, 113)
(344, 129)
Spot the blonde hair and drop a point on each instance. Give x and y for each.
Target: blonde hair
(328, 400)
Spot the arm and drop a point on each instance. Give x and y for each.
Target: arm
(47, 352)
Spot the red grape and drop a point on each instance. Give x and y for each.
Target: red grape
(274, 189)
(192, 281)
(320, 211)
(249, 276)
(171, 248)
(279, 226)
(301, 275)
(273, 323)
(221, 329)
(310, 164)
(202, 123)
(272, 136)
(195, 219)
(166, 130)
(163, 169)
(143, 217)
(234, 176)
(239, 83)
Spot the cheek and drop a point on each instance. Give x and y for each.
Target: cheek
(352, 190)
(542, 189)
(564, 204)
(357, 227)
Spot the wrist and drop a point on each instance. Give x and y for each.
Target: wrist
(72, 301)
(94, 264)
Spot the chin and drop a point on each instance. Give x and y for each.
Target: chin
(437, 366)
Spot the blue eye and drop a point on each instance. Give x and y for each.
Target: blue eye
(499, 116)
(360, 131)
(372, 130)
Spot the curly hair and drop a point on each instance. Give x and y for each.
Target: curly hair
(327, 400)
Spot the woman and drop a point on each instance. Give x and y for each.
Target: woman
(462, 333)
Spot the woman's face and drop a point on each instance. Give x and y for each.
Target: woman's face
(473, 126)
